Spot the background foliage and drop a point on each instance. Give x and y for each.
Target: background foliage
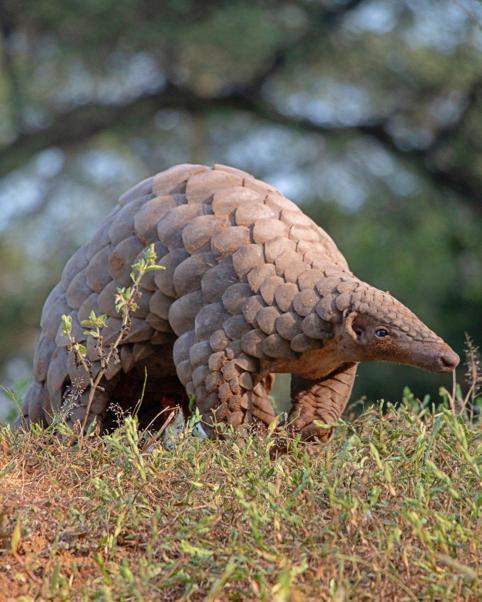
(367, 112)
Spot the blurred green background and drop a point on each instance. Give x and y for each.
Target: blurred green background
(366, 112)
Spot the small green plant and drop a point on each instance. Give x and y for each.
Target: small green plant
(126, 305)
(468, 404)
(15, 395)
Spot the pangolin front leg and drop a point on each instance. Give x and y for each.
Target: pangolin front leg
(323, 399)
(232, 390)
(224, 380)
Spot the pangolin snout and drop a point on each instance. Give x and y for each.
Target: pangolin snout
(434, 356)
(448, 360)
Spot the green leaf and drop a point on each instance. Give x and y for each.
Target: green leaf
(82, 350)
(16, 537)
(188, 548)
(66, 322)
(376, 456)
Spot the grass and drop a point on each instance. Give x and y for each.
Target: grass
(389, 510)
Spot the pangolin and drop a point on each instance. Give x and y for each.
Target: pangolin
(251, 287)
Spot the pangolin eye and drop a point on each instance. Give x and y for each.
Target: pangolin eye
(381, 332)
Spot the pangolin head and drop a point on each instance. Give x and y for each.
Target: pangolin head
(377, 327)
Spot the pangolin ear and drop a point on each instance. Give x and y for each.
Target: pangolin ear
(349, 319)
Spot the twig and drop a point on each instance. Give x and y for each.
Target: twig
(126, 305)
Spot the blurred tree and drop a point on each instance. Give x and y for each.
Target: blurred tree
(366, 111)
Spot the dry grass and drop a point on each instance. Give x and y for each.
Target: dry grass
(388, 511)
